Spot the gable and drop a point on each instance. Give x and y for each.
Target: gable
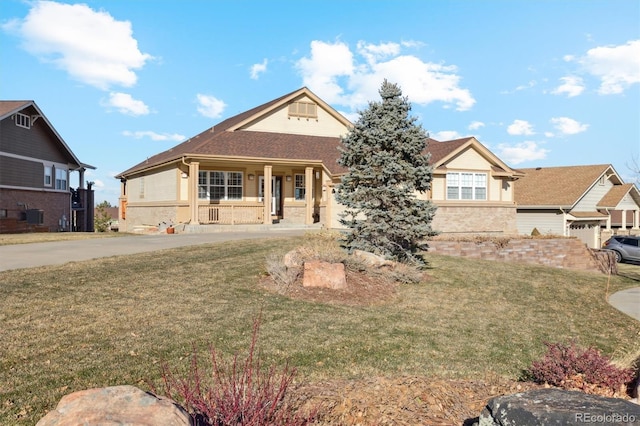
(319, 122)
(468, 159)
(40, 141)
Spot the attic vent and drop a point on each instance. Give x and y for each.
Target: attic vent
(23, 120)
(303, 109)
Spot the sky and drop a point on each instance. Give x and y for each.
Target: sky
(540, 83)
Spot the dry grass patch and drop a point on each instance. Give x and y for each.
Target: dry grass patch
(43, 237)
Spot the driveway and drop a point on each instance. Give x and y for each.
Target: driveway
(19, 256)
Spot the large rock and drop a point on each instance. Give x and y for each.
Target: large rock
(371, 259)
(324, 274)
(116, 405)
(558, 407)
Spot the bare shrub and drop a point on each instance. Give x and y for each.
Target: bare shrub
(569, 366)
(238, 393)
(282, 275)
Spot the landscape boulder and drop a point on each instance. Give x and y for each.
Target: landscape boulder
(116, 405)
(371, 259)
(558, 407)
(324, 274)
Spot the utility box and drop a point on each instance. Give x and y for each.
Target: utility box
(35, 217)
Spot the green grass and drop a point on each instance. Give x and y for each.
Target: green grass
(112, 321)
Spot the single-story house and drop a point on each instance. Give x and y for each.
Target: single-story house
(292, 144)
(577, 201)
(35, 169)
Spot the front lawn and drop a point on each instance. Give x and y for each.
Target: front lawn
(112, 321)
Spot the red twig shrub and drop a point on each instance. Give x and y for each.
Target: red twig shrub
(572, 367)
(238, 393)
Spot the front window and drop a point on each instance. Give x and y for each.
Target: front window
(61, 179)
(466, 186)
(218, 185)
(48, 175)
(299, 189)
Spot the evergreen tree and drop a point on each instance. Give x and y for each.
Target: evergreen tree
(387, 168)
(101, 218)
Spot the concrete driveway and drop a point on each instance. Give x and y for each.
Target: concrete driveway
(19, 256)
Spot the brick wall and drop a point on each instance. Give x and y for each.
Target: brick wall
(55, 205)
(567, 253)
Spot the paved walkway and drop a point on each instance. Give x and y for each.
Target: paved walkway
(19, 256)
(627, 301)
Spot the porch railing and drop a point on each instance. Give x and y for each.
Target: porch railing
(231, 214)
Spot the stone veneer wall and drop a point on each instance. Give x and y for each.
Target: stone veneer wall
(568, 253)
(477, 219)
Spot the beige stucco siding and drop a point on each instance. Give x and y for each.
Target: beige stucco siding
(159, 186)
(279, 121)
(545, 222)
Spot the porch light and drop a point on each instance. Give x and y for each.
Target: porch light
(251, 176)
(317, 175)
(288, 178)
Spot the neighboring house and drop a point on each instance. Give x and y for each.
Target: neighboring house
(35, 166)
(577, 201)
(292, 143)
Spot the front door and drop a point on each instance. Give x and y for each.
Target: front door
(276, 194)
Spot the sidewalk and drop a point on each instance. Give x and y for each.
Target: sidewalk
(19, 256)
(627, 301)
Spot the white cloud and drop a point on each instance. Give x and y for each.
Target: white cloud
(154, 136)
(209, 106)
(445, 135)
(126, 104)
(92, 47)
(617, 67)
(568, 126)
(520, 127)
(571, 86)
(327, 63)
(521, 152)
(475, 125)
(332, 68)
(257, 69)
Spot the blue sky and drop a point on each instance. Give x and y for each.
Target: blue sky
(540, 83)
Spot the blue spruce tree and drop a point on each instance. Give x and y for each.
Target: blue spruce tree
(387, 169)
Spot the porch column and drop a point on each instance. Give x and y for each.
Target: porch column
(608, 220)
(266, 192)
(636, 219)
(194, 170)
(308, 195)
(624, 219)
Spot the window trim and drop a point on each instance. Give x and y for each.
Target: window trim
(474, 185)
(302, 188)
(23, 120)
(48, 173)
(204, 186)
(60, 173)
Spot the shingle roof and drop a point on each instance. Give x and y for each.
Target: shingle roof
(556, 186)
(218, 141)
(8, 107)
(615, 195)
(440, 150)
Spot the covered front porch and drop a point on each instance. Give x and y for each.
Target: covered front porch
(250, 194)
